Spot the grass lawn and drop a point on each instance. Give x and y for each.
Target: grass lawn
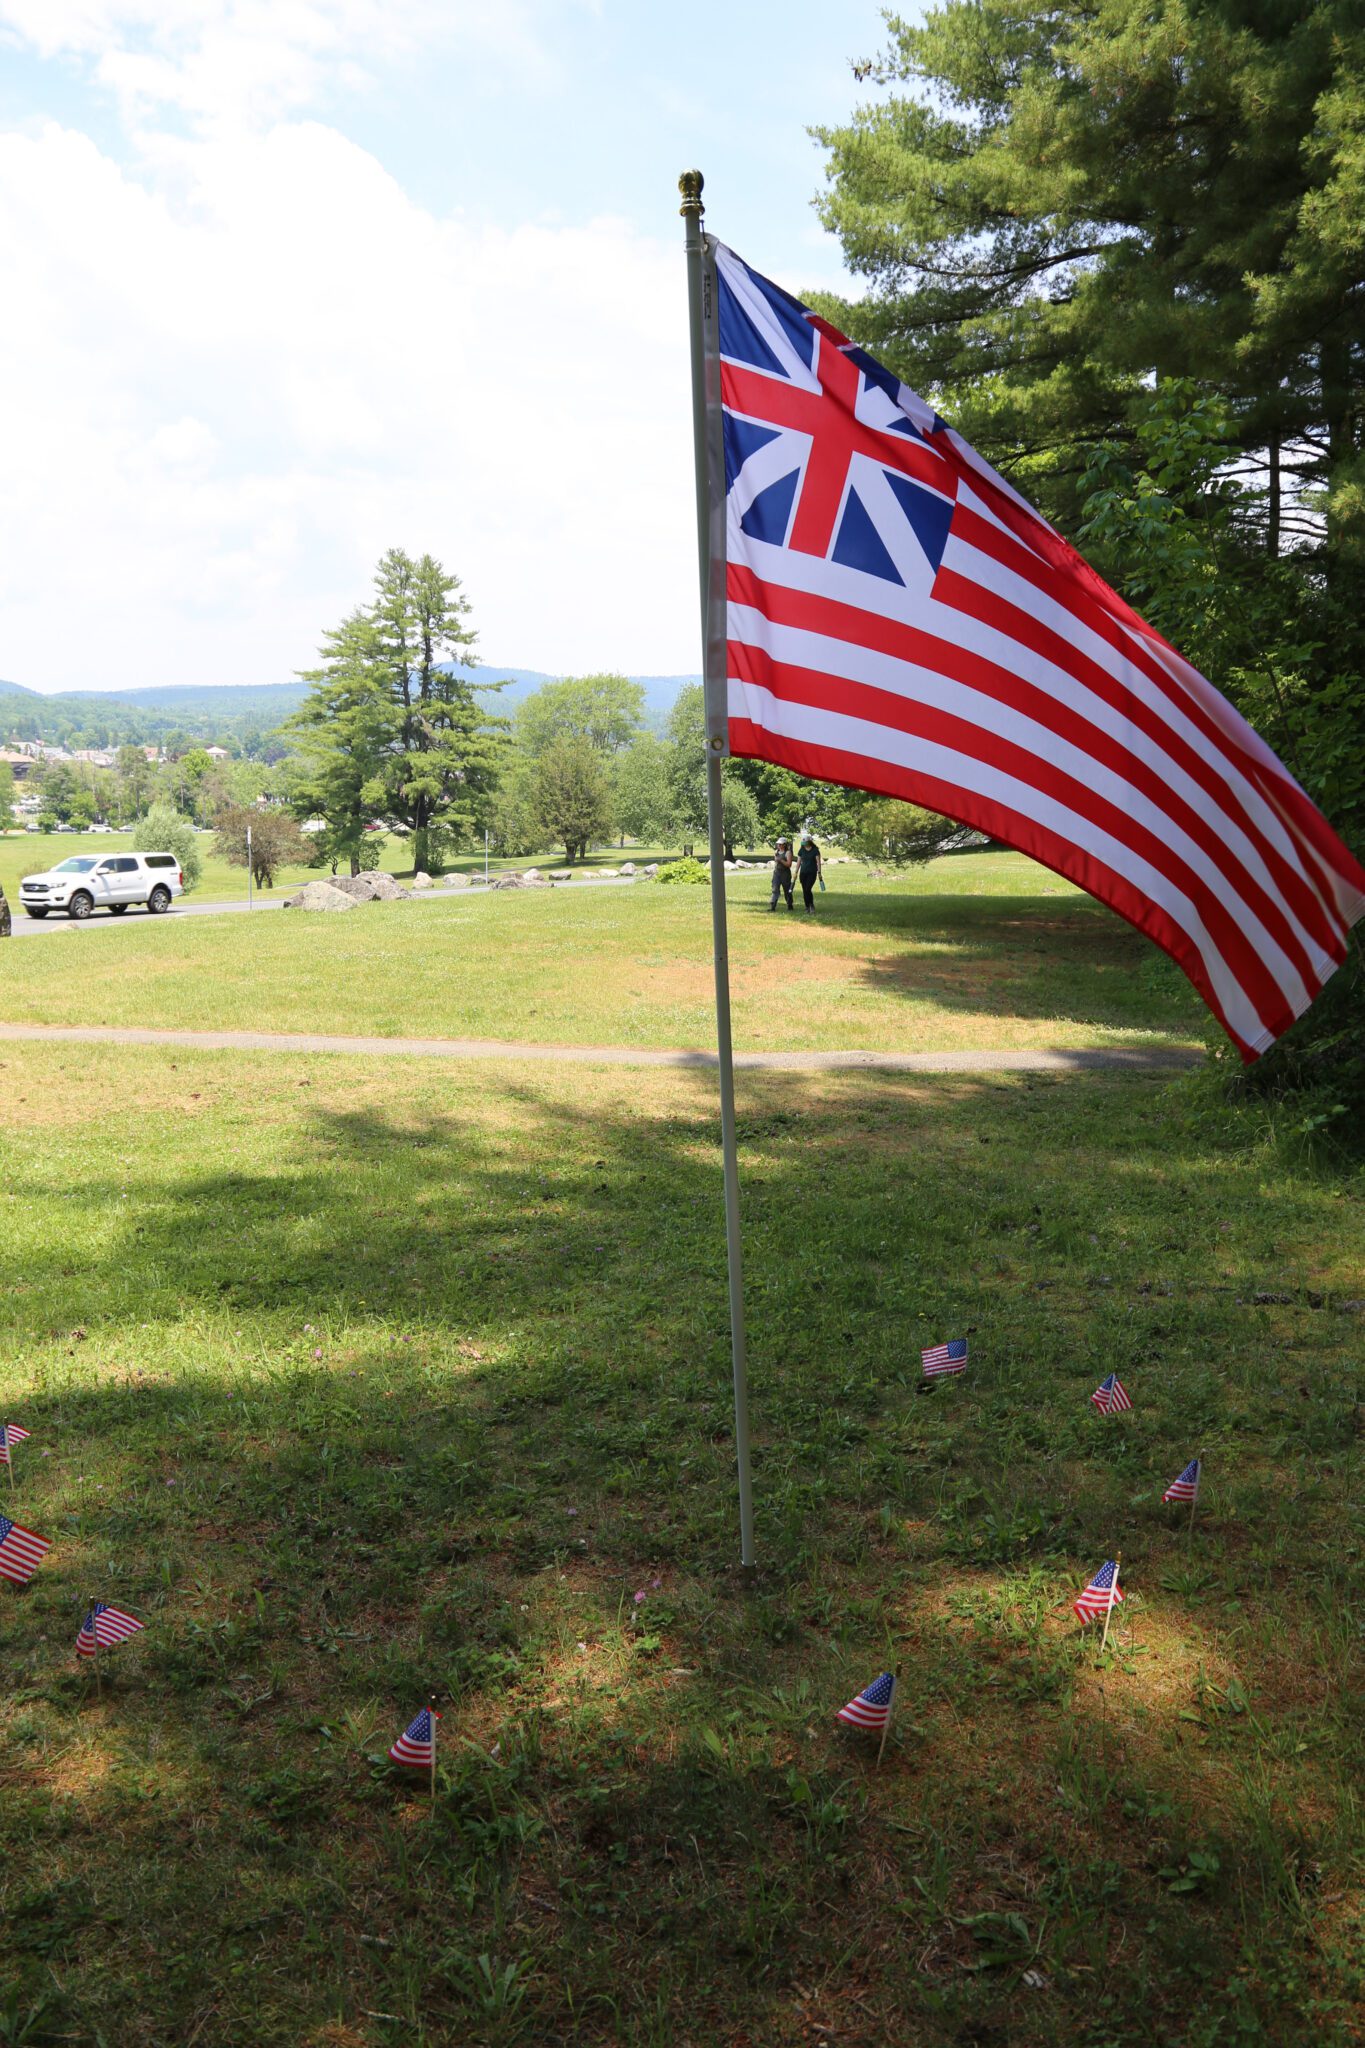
(361, 1384)
(973, 950)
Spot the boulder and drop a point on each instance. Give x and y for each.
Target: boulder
(605, 874)
(507, 882)
(421, 880)
(319, 896)
(530, 875)
(628, 867)
(561, 874)
(457, 881)
(653, 868)
(371, 888)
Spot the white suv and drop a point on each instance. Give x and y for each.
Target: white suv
(90, 881)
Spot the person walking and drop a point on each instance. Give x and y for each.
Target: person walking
(782, 873)
(808, 867)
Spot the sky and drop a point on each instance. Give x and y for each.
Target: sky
(289, 282)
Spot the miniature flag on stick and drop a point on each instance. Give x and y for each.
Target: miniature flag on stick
(1101, 1596)
(10, 1433)
(1186, 1487)
(872, 1708)
(416, 1746)
(21, 1552)
(1110, 1396)
(944, 1358)
(103, 1627)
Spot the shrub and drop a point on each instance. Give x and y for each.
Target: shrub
(164, 830)
(687, 870)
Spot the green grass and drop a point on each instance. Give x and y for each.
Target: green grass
(361, 1384)
(977, 950)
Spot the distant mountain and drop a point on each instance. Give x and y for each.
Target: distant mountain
(222, 711)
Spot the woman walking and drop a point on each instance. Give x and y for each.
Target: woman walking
(808, 866)
(782, 872)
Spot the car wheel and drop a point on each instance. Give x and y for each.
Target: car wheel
(117, 909)
(36, 913)
(159, 900)
(80, 905)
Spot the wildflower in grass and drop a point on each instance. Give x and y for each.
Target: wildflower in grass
(1110, 1396)
(872, 1708)
(104, 1626)
(1101, 1595)
(417, 1742)
(10, 1433)
(1186, 1487)
(21, 1552)
(944, 1358)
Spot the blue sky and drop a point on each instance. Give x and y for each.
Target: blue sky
(302, 279)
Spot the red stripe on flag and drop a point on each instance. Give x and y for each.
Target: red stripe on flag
(1012, 828)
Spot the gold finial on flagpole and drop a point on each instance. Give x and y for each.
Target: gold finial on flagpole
(690, 184)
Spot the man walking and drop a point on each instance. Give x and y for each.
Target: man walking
(782, 873)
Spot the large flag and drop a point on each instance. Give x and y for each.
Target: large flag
(899, 619)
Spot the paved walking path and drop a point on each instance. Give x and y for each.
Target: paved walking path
(1041, 1059)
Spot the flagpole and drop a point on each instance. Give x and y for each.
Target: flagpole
(1113, 1596)
(1194, 1497)
(890, 1710)
(701, 311)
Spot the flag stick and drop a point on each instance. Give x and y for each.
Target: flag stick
(710, 559)
(1109, 1610)
(890, 1710)
(1194, 1498)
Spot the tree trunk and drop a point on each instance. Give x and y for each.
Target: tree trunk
(419, 850)
(355, 863)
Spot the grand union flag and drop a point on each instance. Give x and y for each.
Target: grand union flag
(899, 619)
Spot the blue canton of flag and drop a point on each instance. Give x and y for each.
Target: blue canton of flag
(1102, 1594)
(872, 1708)
(417, 1742)
(941, 1358)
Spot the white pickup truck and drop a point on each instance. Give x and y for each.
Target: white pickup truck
(110, 881)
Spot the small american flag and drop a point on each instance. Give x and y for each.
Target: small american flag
(10, 1433)
(21, 1552)
(414, 1746)
(1186, 1487)
(871, 1709)
(941, 1358)
(1101, 1594)
(103, 1626)
(1110, 1396)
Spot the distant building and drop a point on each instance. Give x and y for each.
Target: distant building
(218, 753)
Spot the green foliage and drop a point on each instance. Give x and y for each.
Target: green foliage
(264, 841)
(570, 794)
(896, 834)
(6, 795)
(686, 742)
(604, 710)
(642, 800)
(165, 830)
(686, 870)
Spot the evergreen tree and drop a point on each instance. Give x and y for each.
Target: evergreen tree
(344, 729)
(571, 795)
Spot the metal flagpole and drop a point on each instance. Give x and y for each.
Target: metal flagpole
(701, 301)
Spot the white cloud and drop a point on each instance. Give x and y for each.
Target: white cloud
(231, 376)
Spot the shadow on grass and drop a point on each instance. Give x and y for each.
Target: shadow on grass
(1017, 955)
(518, 1420)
